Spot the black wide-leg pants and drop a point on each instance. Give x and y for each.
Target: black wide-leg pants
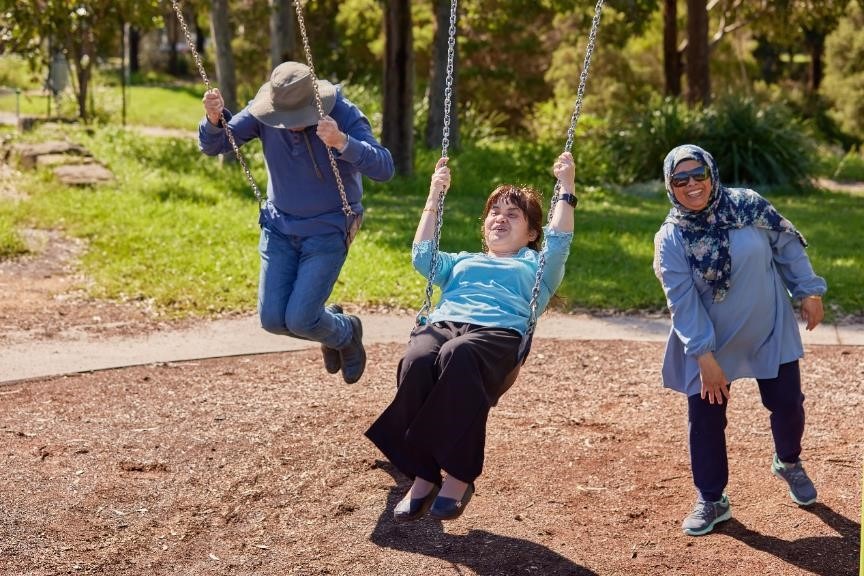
(450, 377)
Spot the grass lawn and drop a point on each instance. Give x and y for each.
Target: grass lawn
(181, 230)
(176, 107)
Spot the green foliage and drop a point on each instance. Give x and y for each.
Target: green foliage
(176, 228)
(11, 243)
(827, 220)
(849, 168)
(789, 24)
(16, 72)
(756, 144)
(368, 98)
(639, 142)
(85, 28)
(752, 143)
(844, 72)
(482, 127)
(181, 230)
(362, 33)
(819, 117)
(176, 106)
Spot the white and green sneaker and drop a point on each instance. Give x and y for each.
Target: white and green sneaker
(706, 515)
(801, 488)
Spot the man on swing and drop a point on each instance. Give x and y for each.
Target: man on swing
(306, 223)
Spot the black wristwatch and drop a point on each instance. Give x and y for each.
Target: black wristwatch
(571, 199)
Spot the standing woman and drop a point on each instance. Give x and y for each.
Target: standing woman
(728, 262)
(457, 366)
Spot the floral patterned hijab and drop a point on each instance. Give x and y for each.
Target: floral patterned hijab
(706, 233)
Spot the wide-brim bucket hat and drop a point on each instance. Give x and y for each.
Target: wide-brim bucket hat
(287, 100)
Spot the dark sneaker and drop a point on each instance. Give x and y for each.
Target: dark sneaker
(332, 359)
(353, 355)
(801, 488)
(706, 515)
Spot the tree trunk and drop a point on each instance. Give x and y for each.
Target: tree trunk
(398, 129)
(221, 32)
(698, 72)
(815, 41)
(281, 32)
(437, 82)
(172, 33)
(200, 35)
(134, 49)
(83, 68)
(671, 56)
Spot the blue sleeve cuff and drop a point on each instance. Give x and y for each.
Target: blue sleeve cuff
(556, 240)
(353, 150)
(210, 128)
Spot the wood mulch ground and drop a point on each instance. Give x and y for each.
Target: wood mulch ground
(258, 465)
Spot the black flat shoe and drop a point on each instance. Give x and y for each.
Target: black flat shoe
(409, 509)
(451, 508)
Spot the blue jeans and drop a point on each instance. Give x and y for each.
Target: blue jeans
(297, 277)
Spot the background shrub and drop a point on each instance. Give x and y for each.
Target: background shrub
(752, 143)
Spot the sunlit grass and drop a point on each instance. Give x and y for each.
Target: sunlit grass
(11, 243)
(181, 230)
(177, 107)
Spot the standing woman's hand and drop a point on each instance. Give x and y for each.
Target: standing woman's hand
(714, 383)
(812, 311)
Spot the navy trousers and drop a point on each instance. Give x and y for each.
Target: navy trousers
(782, 396)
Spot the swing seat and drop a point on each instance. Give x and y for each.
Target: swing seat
(510, 379)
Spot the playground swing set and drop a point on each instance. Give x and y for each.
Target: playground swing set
(354, 221)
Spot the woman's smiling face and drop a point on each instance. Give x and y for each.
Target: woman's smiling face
(506, 229)
(693, 194)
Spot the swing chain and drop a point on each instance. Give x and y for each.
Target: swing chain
(583, 76)
(191, 44)
(571, 131)
(445, 144)
(448, 87)
(301, 22)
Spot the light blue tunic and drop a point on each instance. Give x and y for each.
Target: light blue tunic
(753, 330)
(487, 291)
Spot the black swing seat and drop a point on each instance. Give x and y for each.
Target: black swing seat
(510, 379)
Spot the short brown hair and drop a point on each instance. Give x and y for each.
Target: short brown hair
(524, 198)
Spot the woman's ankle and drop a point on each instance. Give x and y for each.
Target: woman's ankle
(420, 488)
(453, 488)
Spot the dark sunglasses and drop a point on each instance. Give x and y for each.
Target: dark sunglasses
(699, 174)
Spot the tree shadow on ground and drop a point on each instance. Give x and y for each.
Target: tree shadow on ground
(485, 553)
(823, 555)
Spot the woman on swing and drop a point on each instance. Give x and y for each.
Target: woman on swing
(457, 364)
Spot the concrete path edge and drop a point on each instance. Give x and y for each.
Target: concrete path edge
(243, 336)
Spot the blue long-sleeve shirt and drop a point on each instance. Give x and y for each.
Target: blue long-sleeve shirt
(753, 330)
(302, 195)
(487, 291)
